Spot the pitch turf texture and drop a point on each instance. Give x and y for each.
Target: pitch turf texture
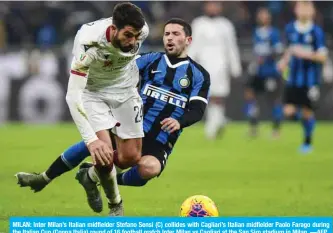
(259, 177)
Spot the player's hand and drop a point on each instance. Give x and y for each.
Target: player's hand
(170, 125)
(100, 152)
(300, 52)
(281, 65)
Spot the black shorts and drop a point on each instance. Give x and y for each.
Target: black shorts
(302, 96)
(151, 147)
(268, 85)
(156, 149)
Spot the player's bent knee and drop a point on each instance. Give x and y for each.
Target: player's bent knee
(149, 167)
(129, 158)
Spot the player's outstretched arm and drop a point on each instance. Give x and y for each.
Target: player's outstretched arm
(100, 151)
(319, 56)
(76, 86)
(84, 54)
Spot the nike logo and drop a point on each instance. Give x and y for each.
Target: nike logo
(155, 71)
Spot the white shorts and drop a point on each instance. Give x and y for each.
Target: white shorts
(219, 86)
(121, 112)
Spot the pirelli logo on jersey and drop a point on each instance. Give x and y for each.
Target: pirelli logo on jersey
(166, 96)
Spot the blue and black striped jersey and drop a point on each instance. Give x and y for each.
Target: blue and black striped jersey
(166, 90)
(267, 44)
(305, 73)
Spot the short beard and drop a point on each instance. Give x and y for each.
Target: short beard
(116, 43)
(173, 54)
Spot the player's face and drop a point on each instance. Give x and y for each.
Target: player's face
(263, 17)
(212, 8)
(175, 41)
(126, 38)
(304, 11)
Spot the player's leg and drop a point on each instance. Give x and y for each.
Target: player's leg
(147, 168)
(128, 152)
(308, 123)
(128, 112)
(274, 88)
(251, 108)
(129, 134)
(68, 160)
(127, 155)
(277, 113)
(214, 117)
(216, 110)
(105, 175)
(101, 119)
(309, 100)
(151, 164)
(290, 102)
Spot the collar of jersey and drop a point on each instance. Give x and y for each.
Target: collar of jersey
(175, 65)
(303, 27)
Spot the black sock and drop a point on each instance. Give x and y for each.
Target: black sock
(307, 140)
(253, 121)
(276, 124)
(57, 168)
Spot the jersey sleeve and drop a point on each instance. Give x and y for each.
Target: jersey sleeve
(320, 45)
(201, 86)
(144, 60)
(83, 55)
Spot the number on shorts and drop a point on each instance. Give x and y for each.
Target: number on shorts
(139, 113)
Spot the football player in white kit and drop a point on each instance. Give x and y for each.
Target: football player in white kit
(102, 95)
(215, 48)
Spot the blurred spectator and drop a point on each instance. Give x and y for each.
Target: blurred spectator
(46, 36)
(56, 22)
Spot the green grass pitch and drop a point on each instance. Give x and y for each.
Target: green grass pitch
(260, 177)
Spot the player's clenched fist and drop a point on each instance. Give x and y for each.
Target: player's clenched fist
(170, 125)
(100, 152)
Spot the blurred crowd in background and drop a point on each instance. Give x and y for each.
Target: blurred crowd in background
(36, 40)
(45, 24)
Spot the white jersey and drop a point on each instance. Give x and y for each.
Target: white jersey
(215, 47)
(108, 69)
(103, 78)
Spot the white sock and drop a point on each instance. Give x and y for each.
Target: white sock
(115, 197)
(93, 174)
(110, 186)
(46, 178)
(214, 120)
